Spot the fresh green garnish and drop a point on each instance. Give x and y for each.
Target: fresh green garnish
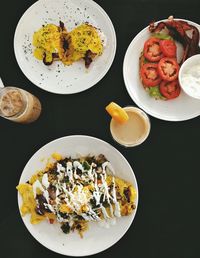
(161, 36)
(86, 165)
(145, 61)
(67, 180)
(155, 92)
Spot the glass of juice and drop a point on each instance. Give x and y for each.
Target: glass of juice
(134, 131)
(19, 105)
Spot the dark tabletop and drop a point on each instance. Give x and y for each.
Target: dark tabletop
(167, 223)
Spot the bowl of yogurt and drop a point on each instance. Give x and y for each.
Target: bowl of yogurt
(189, 76)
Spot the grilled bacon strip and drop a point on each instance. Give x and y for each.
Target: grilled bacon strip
(179, 31)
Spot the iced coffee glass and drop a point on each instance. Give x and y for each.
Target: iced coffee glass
(19, 105)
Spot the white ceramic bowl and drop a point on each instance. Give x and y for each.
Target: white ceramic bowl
(97, 238)
(187, 87)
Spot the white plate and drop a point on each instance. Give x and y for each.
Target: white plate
(96, 239)
(179, 109)
(58, 78)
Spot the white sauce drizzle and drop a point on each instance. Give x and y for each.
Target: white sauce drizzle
(107, 223)
(36, 185)
(105, 214)
(117, 211)
(45, 180)
(96, 193)
(46, 195)
(105, 188)
(109, 166)
(91, 173)
(78, 165)
(50, 207)
(60, 168)
(75, 196)
(69, 172)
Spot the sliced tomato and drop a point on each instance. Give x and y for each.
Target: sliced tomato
(168, 47)
(152, 51)
(168, 69)
(149, 74)
(170, 90)
(51, 221)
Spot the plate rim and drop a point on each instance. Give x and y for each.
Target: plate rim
(99, 78)
(138, 102)
(110, 146)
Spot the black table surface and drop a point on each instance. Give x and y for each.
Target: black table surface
(167, 223)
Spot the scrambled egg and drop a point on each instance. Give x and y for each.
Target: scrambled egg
(82, 39)
(46, 42)
(127, 195)
(54, 42)
(85, 37)
(29, 203)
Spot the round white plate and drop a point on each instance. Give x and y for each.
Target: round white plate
(58, 78)
(96, 239)
(179, 109)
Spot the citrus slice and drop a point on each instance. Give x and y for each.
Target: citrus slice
(117, 113)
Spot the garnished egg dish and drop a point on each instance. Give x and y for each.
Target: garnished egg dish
(54, 42)
(74, 192)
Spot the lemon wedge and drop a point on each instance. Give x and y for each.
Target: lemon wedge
(117, 113)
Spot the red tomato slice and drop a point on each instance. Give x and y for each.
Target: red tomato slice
(168, 69)
(149, 74)
(170, 90)
(51, 221)
(168, 47)
(152, 51)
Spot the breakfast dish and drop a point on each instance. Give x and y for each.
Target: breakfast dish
(71, 70)
(159, 66)
(76, 191)
(103, 233)
(53, 42)
(179, 106)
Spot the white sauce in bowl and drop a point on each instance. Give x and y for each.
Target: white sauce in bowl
(189, 76)
(190, 80)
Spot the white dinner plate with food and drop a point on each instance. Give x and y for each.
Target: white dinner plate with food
(57, 77)
(99, 235)
(178, 109)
